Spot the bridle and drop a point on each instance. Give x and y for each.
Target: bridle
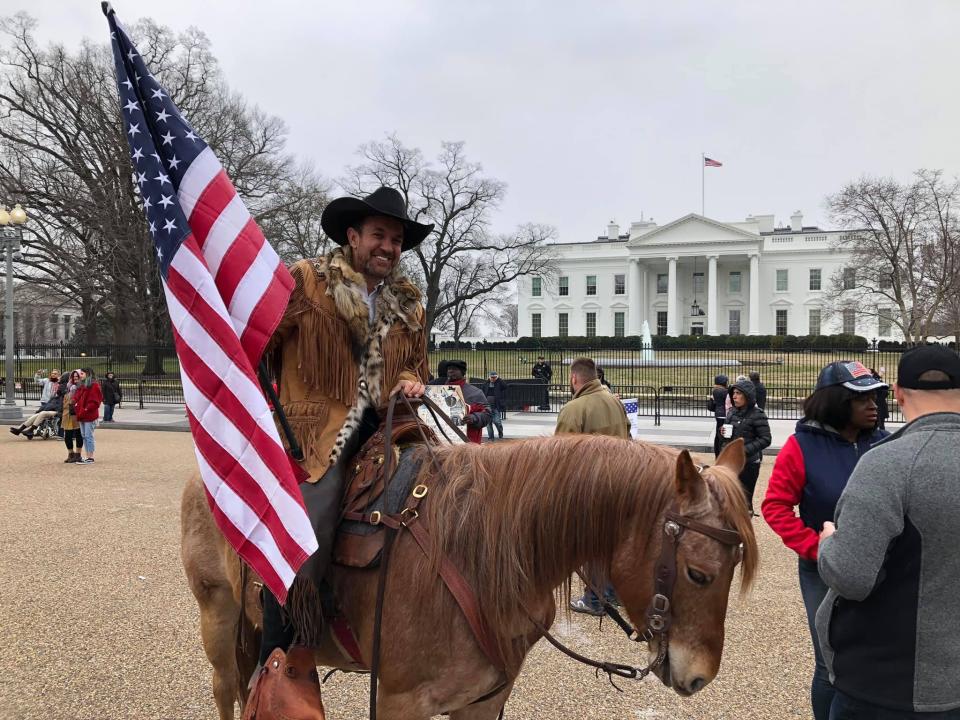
(659, 613)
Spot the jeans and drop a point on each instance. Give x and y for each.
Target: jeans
(845, 707)
(813, 590)
(498, 421)
(108, 413)
(86, 430)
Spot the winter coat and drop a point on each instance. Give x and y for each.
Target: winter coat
(749, 423)
(87, 401)
(68, 421)
(478, 411)
(811, 471)
(761, 396)
(594, 410)
(542, 371)
(496, 394)
(112, 392)
(717, 404)
(318, 346)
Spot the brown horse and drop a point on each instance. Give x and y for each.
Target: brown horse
(517, 519)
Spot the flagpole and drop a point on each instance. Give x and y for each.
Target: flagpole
(703, 160)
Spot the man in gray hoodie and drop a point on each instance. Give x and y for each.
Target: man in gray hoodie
(889, 626)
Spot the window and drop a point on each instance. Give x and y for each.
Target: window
(734, 322)
(536, 288)
(815, 281)
(591, 284)
(886, 281)
(849, 278)
(66, 327)
(661, 323)
(591, 324)
(698, 286)
(662, 284)
(781, 322)
(536, 325)
(619, 284)
(564, 286)
(849, 322)
(696, 329)
(813, 322)
(782, 280)
(563, 324)
(618, 324)
(884, 321)
(734, 285)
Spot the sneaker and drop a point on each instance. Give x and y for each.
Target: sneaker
(582, 606)
(84, 461)
(28, 433)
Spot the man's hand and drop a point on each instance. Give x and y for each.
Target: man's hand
(828, 529)
(410, 388)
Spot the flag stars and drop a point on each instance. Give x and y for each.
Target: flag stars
(173, 162)
(169, 226)
(159, 254)
(163, 115)
(191, 136)
(141, 178)
(153, 228)
(162, 178)
(158, 94)
(155, 156)
(147, 204)
(137, 154)
(131, 106)
(168, 138)
(165, 200)
(131, 55)
(128, 84)
(134, 129)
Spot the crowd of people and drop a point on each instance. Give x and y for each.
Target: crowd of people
(70, 409)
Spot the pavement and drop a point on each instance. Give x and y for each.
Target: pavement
(694, 434)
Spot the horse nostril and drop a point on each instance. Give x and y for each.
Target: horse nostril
(697, 684)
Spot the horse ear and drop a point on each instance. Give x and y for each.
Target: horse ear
(733, 456)
(691, 488)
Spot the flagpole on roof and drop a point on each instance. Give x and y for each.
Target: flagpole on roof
(703, 172)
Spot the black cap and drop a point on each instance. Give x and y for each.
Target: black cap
(457, 364)
(925, 358)
(849, 373)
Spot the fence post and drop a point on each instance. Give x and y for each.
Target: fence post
(140, 391)
(656, 408)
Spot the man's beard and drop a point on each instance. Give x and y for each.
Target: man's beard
(374, 269)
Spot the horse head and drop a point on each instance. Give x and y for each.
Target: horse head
(703, 569)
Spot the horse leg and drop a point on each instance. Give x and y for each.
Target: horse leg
(218, 629)
(489, 709)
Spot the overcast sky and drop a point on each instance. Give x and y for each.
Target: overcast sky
(595, 110)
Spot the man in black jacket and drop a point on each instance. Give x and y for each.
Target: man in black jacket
(746, 420)
(543, 372)
(761, 390)
(717, 403)
(496, 391)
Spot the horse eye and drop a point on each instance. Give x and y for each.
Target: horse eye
(697, 577)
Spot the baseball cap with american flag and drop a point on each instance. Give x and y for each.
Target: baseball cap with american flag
(851, 374)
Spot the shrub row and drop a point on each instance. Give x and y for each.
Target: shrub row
(682, 342)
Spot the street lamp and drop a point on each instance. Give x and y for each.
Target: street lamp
(11, 234)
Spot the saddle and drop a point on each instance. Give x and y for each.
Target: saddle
(370, 496)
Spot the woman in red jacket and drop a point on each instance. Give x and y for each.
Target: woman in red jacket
(87, 403)
(839, 424)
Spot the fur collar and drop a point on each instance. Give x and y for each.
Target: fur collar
(397, 300)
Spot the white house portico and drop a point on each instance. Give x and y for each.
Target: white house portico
(694, 276)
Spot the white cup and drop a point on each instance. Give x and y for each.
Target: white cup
(726, 430)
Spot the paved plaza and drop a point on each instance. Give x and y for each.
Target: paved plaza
(98, 622)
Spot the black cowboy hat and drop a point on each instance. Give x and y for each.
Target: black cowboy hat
(346, 211)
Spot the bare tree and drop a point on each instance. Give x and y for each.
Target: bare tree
(64, 156)
(462, 261)
(904, 250)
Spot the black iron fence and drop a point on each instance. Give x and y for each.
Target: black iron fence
(673, 382)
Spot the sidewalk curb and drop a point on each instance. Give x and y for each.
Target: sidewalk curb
(143, 426)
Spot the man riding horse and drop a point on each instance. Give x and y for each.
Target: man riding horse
(352, 333)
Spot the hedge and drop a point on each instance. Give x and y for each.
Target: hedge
(681, 342)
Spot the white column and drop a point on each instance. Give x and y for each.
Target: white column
(643, 308)
(635, 298)
(712, 309)
(672, 296)
(754, 309)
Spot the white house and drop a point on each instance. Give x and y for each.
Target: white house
(696, 276)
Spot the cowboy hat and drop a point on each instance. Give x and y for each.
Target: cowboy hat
(347, 211)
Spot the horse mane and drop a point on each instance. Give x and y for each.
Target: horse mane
(511, 516)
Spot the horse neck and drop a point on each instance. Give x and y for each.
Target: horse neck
(584, 510)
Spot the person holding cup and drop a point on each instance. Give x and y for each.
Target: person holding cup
(746, 420)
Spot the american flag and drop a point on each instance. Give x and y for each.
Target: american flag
(226, 291)
(710, 162)
(632, 407)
